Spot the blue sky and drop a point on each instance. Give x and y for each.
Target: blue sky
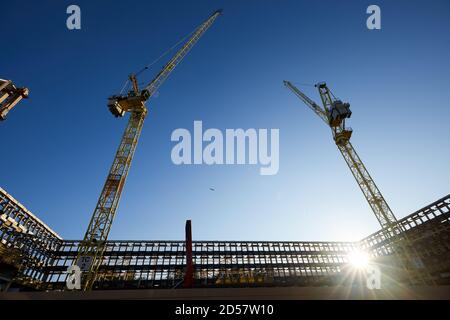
(57, 146)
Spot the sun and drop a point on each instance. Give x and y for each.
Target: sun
(358, 259)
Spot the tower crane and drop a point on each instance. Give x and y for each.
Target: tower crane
(90, 254)
(334, 113)
(10, 95)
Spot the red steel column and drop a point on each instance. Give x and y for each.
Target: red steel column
(189, 275)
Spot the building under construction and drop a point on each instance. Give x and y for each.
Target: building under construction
(34, 257)
(413, 251)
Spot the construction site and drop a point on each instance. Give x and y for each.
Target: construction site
(412, 254)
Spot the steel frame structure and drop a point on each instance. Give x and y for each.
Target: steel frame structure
(428, 230)
(43, 257)
(162, 264)
(26, 243)
(14, 216)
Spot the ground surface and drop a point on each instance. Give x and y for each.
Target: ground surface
(291, 293)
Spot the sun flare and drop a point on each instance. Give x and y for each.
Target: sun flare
(358, 259)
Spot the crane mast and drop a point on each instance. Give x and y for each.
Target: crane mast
(334, 113)
(90, 254)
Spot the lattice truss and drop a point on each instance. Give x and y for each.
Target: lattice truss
(26, 243)
(43, 257)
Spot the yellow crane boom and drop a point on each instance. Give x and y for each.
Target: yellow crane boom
(334, 113)
(91, 250)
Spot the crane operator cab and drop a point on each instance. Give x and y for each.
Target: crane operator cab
(338, 112)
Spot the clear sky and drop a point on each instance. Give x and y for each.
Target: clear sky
(57, 147)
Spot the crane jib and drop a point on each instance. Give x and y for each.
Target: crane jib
(151, 88)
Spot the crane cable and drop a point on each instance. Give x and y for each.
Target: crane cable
(158, 59)
(303, 84)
